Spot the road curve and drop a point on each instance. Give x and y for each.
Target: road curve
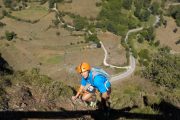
(130, 68)
(105, 58)
(126, 73)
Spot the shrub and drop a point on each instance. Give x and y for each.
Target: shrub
(164, 49)
(148, 34)
(177, 42)
(8, 3)
(175, 13)
(80, 23)
(157, 43)
(4, 13)
(164, 70)
(58, 33)
(98, 4)
(2, 24)
(55, 22)
(51, 2)
(140, 38)
(127, 4)
(178, 19)
(144, 54)
(10, 35)
(155, 8)
(92, 38)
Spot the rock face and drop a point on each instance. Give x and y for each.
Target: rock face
(4, 67)
(3, 100)
(26, 100)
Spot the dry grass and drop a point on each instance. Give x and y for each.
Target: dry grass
(85, 8)
(68, 20)
(130, 92)
(167, 36)
(33, 12)
(2, 6)
(37, 46)
(1, 2)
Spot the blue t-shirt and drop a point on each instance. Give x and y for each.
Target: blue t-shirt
(98, 82)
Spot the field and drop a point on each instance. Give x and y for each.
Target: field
(84, 8)
(55, 50)
(167, 36)
(33, 12)
(38, 45)
(46, 50)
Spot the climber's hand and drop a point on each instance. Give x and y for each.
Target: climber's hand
(74, 97)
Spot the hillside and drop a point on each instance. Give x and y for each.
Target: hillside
(41, 43)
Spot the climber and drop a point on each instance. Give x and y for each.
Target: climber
(92, 79)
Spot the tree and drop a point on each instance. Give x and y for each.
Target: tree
(132, 22)
(178, 19)
(10, 35)
(93, 38)
(157, 43)
(140, 38)
(164, 70)
(7, 3)
(142, 14)
(173, 10)
(55, 22)
(164, 49)
(146, 3)
(112, 28)
(80, 23)
(141, 10)
(175, 13)
(112, 19)
(155, 8)
(144, 54)
(2, 24)
(142, 3)
(148, 34)
(51, 2)
(127, 4)
(177, 42)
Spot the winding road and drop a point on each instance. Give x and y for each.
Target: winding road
(130, 68)
(132, 65)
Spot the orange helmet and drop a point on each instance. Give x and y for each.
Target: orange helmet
(83, 67)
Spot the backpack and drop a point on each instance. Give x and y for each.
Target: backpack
(99, 71)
